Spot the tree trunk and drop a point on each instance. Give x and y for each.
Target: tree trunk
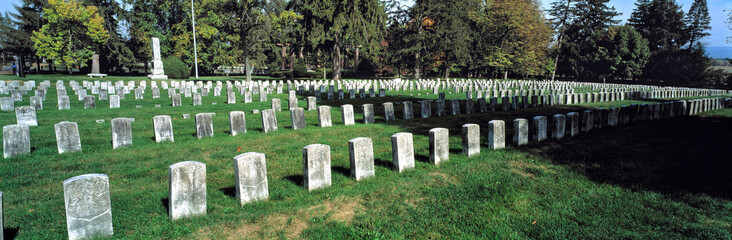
(416, 65)
(447, 71)
(247, 67)
(505, 74)
(292, 60)
(38, 64)
(21, 66)
(337, 60)
(556, 58)
(284, 58)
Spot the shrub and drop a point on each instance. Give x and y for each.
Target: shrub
(281, 74)
(176, 69)
(300, 70)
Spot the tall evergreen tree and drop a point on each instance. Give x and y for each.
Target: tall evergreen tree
(662, 23)
(592, 18)
(17, 34)
(450, 36)
(561, 16)
(115, 53)
(698, 19)
(329, 25)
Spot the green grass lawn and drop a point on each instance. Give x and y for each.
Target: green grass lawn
(664, 179)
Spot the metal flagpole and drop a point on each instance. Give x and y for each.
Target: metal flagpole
(195, 51)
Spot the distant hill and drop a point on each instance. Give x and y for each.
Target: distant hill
(719, 52)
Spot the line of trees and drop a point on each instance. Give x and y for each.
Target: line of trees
(580, 40)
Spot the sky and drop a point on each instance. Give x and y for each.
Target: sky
(718, 37)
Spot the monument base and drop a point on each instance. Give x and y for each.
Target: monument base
(92, 75)
(159, 77)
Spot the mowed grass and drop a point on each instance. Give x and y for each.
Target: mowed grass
(664, 179)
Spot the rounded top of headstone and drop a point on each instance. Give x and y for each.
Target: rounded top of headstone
(85, 176)
(436, 130)
(316, 146)
(186, 164)
(473, 124)
(15, 126)
(249, 155)
(402, 134)
(359, 139)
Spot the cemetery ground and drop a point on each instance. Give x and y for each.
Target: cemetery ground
(659, 179)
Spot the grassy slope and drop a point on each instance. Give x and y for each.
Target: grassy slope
(661, 179)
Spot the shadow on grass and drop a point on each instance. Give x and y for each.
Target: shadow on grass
(296, 179)
(229, 191)
(671, 156)
(10, 233)
(166, 204)
(686, 154)
(383, 163)
(341, 170)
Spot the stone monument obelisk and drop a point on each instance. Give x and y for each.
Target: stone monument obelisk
(157, 62)
(95, 67)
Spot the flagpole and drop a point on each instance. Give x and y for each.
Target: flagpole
(195, 51)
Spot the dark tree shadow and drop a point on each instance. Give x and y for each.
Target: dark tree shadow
(341, 170)
(10, 233)
(686, 154)
(422, 158)
(166, 203)
(383, 163)
(229, 191)
(296, 179)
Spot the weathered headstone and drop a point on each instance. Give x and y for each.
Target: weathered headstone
(425, 108)
(402, 147)
(269, 120)
(187, 190)
(455, 107)
(292, 103)
(276, 104)
(250, 171)
(67, 137)
(388, 111)
(114, 101)
(163, 128)
(368, 113)
(88, 207)
(520, 131)
(312, 102)
(471, 139)
(204, 125)
(16, 140)
(559, 123)
(7, 104)
(316, 166)
(496, 135)
(408, 110)
(90, 102)
(175, 100)
(439, 145)
(230, 97)
(26, 115)
(297, 116)
(324, 118)
(121, 132)
(347, 113)
(587, 121)
(197, 99)
(539, 129)
(36, 102)
(361, 152)
(573, 121)
(237, 123)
